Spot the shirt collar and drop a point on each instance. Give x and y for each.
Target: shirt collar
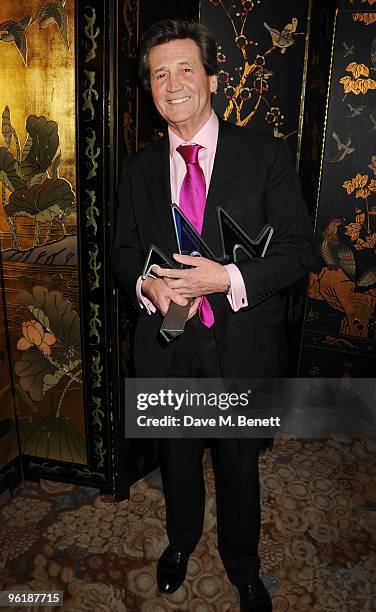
(206, 137)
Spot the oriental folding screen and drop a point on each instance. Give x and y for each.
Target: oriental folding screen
(61, 336)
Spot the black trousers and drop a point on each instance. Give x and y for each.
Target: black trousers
(235, 463)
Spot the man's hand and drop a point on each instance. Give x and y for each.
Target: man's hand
(204, 277)
(160, 294)
(194, 308)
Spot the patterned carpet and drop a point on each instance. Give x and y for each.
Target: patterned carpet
(318, 544)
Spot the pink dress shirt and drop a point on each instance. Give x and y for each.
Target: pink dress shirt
(207, 137)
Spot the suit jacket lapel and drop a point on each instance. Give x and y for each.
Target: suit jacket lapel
(159, 191)
(222, 184)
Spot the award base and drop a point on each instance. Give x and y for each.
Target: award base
(174, 321)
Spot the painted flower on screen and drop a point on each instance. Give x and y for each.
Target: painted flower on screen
(241, 41)
(248, 5)
(245, 93)
(229, 91)
(35, 335)
(260, 85)
(274, 115)
(260, 60)
(353, 229)
(356, 84)
(366, 18)
(359, 183)
(223, 76)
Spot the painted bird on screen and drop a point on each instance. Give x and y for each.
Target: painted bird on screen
(335, 253)
(349, 49)
(343, 148)
(54, 13)
(285, 38)
(14, 31)
(355, 110)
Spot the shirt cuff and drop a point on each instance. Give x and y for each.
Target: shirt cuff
(142, 299)
(238, 296)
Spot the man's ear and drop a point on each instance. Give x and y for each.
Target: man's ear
(213, 82)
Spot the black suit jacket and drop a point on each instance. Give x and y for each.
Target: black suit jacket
(255, 181)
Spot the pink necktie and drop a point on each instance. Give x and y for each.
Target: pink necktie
(192, 203)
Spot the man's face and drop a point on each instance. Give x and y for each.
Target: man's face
(180, 87)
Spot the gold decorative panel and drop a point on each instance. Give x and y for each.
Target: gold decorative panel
(38, 225)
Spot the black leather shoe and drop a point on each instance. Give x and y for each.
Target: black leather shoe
(254, 597)
(171, 569)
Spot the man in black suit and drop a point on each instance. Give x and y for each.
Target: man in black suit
(236, 324)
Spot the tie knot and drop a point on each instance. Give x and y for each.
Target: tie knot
(189, 153)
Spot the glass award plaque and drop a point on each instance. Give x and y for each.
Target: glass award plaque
(236, 246)
(188, 240)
